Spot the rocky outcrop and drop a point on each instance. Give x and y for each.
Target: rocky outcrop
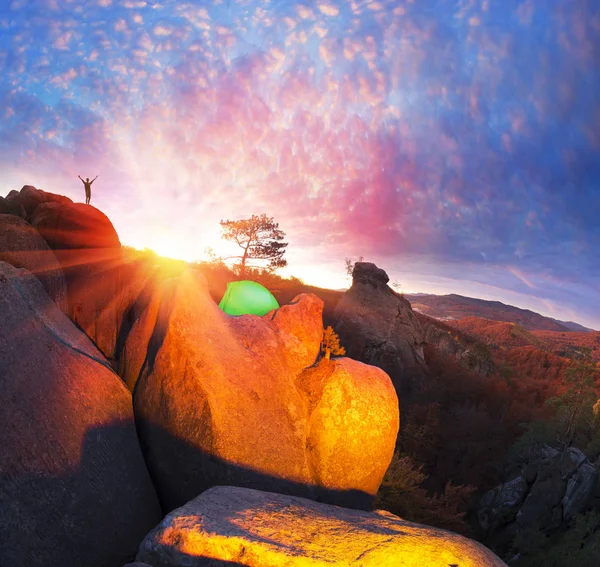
(99, 282)
(74, 226)
(224, 400)
(441, 340)
(12, 206)
(551, 489)
(377, 326)
(23, 247)
(23, 203)
(230, 525)
(477, 359)
(100, 286)
(74, 489)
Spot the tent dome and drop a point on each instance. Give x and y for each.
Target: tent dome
(246, 297)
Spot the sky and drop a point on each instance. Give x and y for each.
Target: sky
(456, 144)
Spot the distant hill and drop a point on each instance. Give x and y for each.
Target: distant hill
(576, 327)
(458, 306)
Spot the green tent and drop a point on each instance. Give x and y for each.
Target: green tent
(246, 297)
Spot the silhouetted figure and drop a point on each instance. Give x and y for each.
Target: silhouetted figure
(88, 188)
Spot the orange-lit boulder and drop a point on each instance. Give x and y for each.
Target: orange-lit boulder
(216, 401)
(23, 247)
(229, 525)
(353, 424)
(74, 488)
(224, 400)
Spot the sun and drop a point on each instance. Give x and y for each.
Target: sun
(181, 247)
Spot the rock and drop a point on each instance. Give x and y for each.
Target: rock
(216, 401)
(100, 284)
(367, 273)
(377, 326)
(344, 453)
(12, 206)
(573, 459)
(236, 526)
(442, 341)
(477, 359)
(137, 564)
(579, 491)
(23, 247)
(74, 489)
(74, 226)
(29, 198)
(499, 506)
(569, 480)
(541, 508)
(551, 491)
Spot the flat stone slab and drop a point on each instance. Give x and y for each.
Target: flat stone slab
(239, 526)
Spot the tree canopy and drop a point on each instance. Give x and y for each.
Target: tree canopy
(260, 239)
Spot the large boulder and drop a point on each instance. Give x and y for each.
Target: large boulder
(236, 526)
(377, 326)
(222, 400)
(12, 206)
(23, 203)
(352, 426)
(23, 247)
(74, 488)
(74, 226)
(99, 281)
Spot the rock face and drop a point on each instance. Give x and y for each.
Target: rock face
(23, 247)
(441, 340)
(547, 494)
(236, 526)
(222, 400)
(89, 252)
(74, 226)
(477, 359)
(99, 286)
(378, 327)
(23, 203)
(12, 206)
(74, 489)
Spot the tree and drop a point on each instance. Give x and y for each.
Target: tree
(331, 344)
(575, 406)
(260, 239)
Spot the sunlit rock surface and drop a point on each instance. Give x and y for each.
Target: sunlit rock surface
(262, 529)
(377, 326)
(219, 400)
(23, 247)
(352, 426)
(74, 489)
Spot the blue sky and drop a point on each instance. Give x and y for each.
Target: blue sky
(456, 144)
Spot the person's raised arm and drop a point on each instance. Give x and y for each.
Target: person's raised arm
(93, 179)
(80, 177)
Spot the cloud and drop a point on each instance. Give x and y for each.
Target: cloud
(459, 134)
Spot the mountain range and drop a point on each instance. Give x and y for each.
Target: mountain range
(455, 306)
